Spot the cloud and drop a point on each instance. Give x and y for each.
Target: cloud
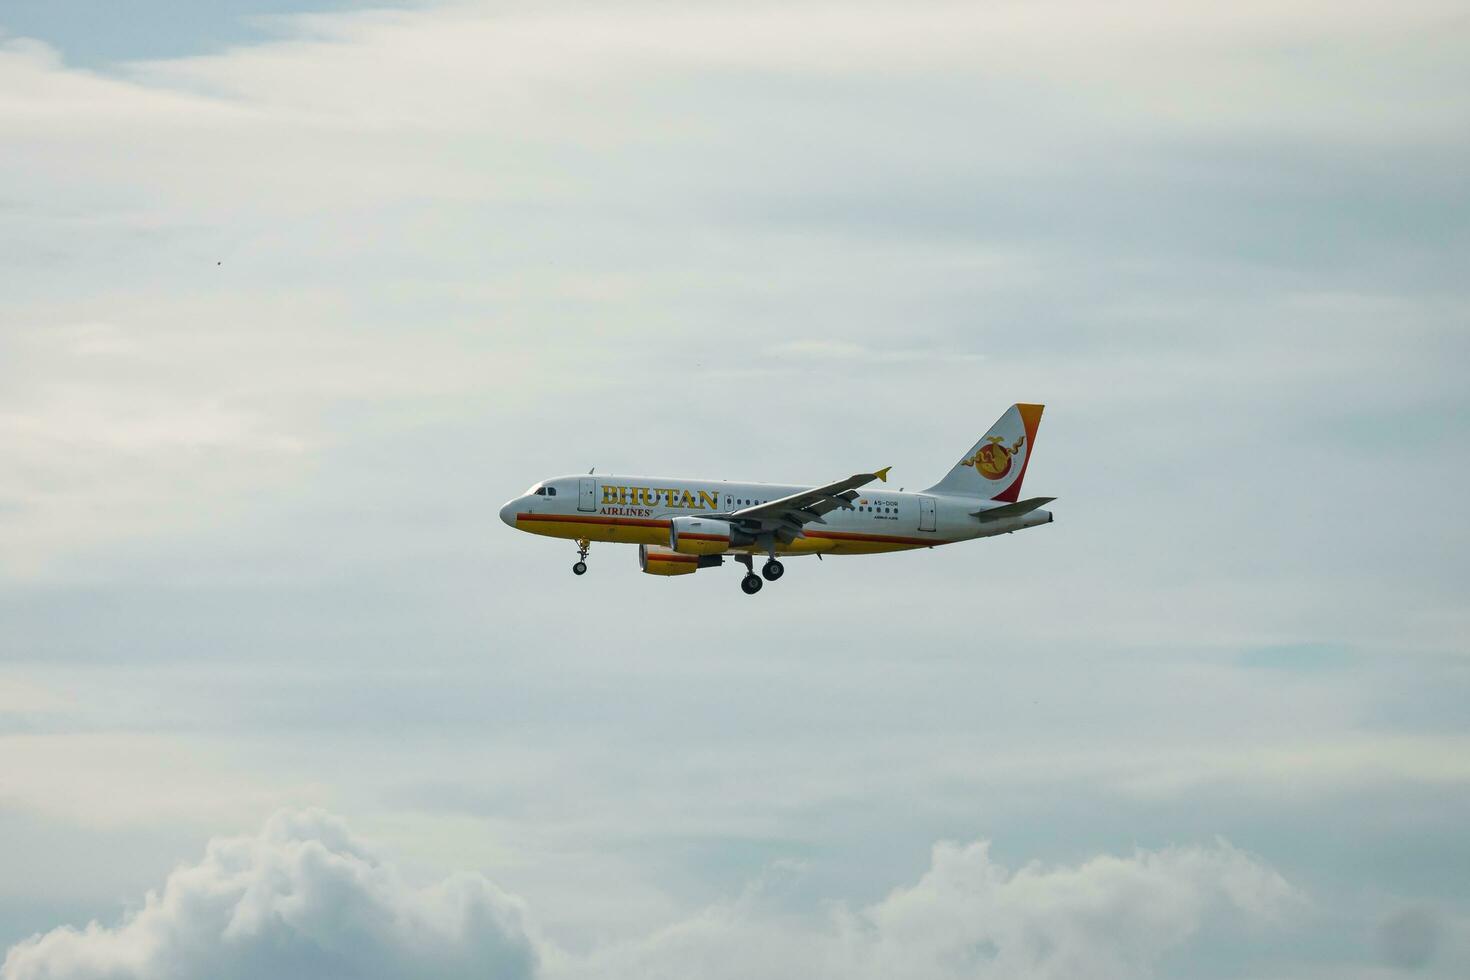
(969, 916)
(306, 898)
(303, 899)
(489, 53)
(409, 203)
(283, 324)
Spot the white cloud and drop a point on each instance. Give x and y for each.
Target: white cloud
(303, 899)
(436, 226)
(306, 898)
(411, 203)
(970, 916)
(354, 67)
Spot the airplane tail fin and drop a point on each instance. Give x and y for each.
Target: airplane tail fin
(995, 467)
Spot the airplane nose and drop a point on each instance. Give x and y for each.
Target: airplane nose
(508, 513)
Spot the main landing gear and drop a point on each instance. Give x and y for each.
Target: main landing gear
(583, 546)
(751, 583)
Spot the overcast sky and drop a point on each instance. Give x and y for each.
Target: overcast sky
(294, 295)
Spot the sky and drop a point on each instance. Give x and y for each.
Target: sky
(293, 296)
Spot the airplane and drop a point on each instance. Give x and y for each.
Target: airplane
(682, 525)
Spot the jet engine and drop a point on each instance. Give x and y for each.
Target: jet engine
(661, 561)
(702, 536)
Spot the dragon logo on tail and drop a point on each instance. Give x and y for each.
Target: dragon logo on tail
(993, 460)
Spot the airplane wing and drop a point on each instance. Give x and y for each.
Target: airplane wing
(787, 515)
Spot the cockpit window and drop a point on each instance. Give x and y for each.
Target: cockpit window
(540, 491)
(550, 491)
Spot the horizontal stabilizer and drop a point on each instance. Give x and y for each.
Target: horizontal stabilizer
(1008, 511)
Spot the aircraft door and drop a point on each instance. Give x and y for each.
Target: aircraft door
(588, 499)
(926, 513)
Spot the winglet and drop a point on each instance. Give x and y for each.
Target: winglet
(883, 473)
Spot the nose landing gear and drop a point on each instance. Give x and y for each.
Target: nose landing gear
(583, 546)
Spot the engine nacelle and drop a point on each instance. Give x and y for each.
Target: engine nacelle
(702, 536)
(660, 561)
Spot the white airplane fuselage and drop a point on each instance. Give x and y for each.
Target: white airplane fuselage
(638, 510)
(682, 525)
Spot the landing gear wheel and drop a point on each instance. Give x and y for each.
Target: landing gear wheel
(583, 546)
(773, 570)
(580, 568)
(751, 584)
